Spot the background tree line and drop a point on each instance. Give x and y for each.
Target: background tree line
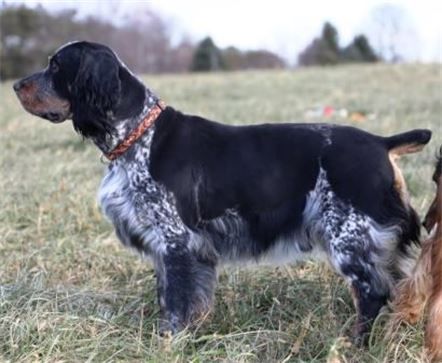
(29, 35)
(325, 50)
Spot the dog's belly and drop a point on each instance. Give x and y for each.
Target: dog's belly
(290, 249)
(230, 236)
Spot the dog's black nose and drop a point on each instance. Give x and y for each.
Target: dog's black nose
(17, 86)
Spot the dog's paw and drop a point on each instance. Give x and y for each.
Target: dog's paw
(166, 330)
(361, 335)
(170, 326)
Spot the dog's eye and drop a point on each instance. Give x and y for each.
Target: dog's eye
(54, 66)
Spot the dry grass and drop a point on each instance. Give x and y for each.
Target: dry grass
(70, 292)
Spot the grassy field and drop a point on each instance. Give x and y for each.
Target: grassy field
(70, 292)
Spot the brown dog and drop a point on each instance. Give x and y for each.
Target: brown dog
(423, 289)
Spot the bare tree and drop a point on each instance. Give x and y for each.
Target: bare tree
(392, 32)
(146, 41)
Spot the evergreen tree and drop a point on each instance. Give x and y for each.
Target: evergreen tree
(363, 45)
(330, 37)
(207, 57)
(323, 50)
(359, 50)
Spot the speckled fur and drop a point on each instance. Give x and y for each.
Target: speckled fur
(142, 211)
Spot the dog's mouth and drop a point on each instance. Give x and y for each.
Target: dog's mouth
(56, 111)
(53, 117)
(40, 99)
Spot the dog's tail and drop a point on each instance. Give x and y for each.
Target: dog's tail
(397, 145)
(407, 142)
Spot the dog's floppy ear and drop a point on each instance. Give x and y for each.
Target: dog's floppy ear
(96, 92)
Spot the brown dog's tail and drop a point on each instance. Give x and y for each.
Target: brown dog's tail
(407, 142)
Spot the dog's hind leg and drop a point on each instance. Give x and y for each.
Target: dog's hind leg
(368, 283)
(360, 253)
(186, 283)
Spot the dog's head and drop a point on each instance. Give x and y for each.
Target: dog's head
(85, 82)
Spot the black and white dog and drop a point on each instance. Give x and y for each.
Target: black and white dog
(192, 194)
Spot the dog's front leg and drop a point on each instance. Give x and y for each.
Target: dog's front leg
(186, 281)
(174, 289)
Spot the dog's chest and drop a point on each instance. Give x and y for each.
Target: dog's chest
(142, 211)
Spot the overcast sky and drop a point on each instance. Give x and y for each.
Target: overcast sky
(283, 26)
